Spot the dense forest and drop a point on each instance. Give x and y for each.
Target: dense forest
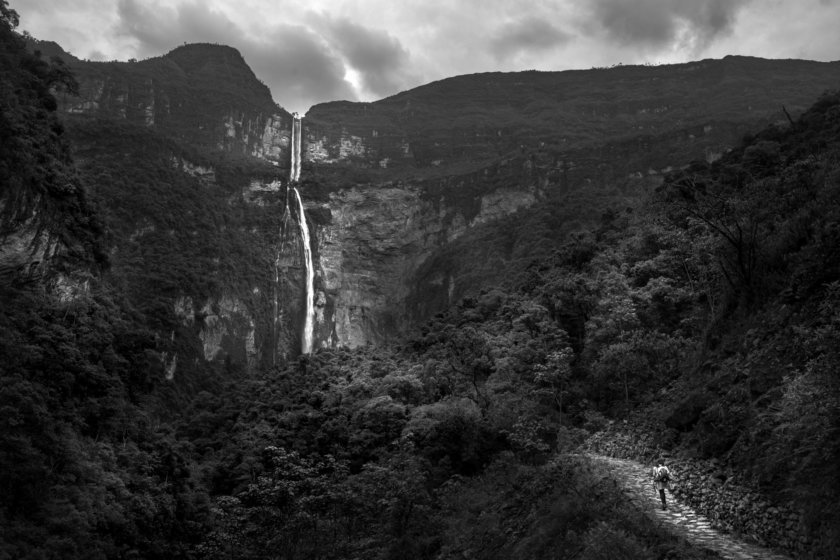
(708, 305)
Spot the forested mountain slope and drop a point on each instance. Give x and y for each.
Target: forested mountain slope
(653, 314)
(393, 190)
(599, 124)
(44, 211)
(202, 95)
(84, 471)
(702, 308)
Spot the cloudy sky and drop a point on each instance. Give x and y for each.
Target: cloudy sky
(309, 51)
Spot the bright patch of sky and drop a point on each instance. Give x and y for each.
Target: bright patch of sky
(316, 51)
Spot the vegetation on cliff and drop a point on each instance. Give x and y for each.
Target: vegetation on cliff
(711, 306)
(39, 189)
(203, 95)
(83, 472)
(178, 228)
(602, 122)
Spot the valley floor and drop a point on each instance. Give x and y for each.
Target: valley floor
(635, 480)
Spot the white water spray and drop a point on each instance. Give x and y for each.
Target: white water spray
(306, 339)
(284, 227)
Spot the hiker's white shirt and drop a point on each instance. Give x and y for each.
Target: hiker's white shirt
(660, 485)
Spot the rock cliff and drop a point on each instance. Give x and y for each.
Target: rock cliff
(389, 186)
(204, 95)
(410, 174)
(375, 241)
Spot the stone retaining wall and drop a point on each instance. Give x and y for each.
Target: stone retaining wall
(712, 491)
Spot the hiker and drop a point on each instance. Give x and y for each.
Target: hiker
(661, 480)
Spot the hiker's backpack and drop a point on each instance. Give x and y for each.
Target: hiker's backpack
(662, 475)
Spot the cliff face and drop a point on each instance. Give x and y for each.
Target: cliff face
(46, 223)
(25, 249)
(375, 241)
(393, 189)
(410, 174)
(204, 95)
(168, 146)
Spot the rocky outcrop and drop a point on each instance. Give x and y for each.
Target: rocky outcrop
(373, 239)
(24, 252)
(369, 241)
(225, 327)
(205, 95)
(274, 144)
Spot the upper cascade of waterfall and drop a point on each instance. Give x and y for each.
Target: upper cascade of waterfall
(294, 168)
(309, 321)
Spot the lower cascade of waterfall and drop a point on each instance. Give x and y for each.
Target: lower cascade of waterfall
(308, 324)
(284, 226)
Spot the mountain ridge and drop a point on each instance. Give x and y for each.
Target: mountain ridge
(478, 116)
(160, 407)
(490, 114)
(461, 149)
(204, 95)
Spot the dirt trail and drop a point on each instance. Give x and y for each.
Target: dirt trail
(635, 478)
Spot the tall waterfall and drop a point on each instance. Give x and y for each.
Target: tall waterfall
(284, 228)
(294, 177)
(294, 168)
(306, 338)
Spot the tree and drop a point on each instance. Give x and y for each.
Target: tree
(553, 377)
(468, 356)
(8, 17)
(740, 217)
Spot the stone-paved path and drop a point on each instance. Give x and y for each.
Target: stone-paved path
(635, 478)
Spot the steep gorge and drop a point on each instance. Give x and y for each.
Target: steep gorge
(450, 444)
(391, 188)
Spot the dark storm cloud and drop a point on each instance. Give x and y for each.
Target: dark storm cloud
(298, 68)
(659, 22)
(379, 58)
(294, 62)
(527, 35)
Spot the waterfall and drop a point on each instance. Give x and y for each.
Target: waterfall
(284, 228)
(294, 168)
(294, 177)
(306, 338)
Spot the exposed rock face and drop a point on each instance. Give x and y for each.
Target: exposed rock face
(24, 252)
(228, 328)
(275, 142)
(376, 239)
(566, 129)
(205, 95)
(225, 326)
